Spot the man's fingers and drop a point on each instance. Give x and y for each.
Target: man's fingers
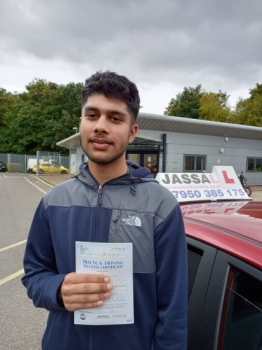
(94, 287)
(83, 291)
(86, 298)
(86, 288)
(85, 301)
(86, 278)
(79, 306)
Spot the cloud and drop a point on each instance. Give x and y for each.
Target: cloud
(162, 46)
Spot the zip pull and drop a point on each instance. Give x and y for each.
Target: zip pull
(100, 190)
(118, 215)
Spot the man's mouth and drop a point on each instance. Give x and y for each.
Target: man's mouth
(100, 143)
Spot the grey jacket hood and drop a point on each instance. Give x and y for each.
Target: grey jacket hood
(136, 174)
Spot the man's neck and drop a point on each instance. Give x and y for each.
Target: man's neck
(106, 172)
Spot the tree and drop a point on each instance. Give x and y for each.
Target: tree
(7, 101)
(41, 116)
(186, 104)
(214, 106)
(249, 111)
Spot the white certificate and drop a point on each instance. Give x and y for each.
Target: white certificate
(116, 261)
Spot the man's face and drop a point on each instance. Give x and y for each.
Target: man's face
(105, 129)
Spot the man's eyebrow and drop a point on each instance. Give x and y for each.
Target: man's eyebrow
(90, 108)
(110, 111)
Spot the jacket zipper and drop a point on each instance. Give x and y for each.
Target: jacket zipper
(117, 224)
(99, 203)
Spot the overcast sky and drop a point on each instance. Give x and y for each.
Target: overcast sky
(163, 46)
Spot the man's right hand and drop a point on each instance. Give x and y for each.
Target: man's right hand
(84, 291)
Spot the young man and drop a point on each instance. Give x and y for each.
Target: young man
(98, 205)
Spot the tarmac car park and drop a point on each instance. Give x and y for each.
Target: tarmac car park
(224, 237)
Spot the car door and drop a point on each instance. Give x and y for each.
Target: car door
(44, 167)
(56, 168)
(201, 259)
(231, 318)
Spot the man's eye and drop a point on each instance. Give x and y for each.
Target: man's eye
(116, 119)
(91, 115)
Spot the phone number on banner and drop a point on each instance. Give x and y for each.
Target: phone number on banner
(207, 194)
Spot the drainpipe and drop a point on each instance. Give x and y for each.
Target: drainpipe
(164, 153)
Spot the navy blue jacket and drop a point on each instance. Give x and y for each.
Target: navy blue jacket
(131, 208)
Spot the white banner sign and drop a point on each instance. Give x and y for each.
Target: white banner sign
(221, 184)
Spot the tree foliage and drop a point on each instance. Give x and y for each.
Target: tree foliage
(40, 117)
(7, 101)
(198, 104)
(214, 106)
(186, 104)
(249, 111)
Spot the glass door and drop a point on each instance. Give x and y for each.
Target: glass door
(145, 159)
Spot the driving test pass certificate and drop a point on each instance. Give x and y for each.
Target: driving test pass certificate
(116, 261)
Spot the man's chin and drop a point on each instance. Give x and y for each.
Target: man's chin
(100, 159)
(103, 159)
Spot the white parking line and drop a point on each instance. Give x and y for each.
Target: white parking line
(20, 272)
(12, 246)
(42, 181)
(16, 274)
(10, 277)
(35, 186)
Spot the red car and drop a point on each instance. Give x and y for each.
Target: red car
(225, 261)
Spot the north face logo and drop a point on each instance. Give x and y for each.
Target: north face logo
(132, 221)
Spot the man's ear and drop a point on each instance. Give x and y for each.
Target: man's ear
(133, 132)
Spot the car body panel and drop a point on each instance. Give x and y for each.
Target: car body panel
(227, 241)
(50, 168)
(242, 218)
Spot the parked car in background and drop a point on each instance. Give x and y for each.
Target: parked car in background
(2, 166)
(31, 162)
(224, 241)
(50, 168)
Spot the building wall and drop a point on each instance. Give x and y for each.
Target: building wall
(77, 157)
(236, 151)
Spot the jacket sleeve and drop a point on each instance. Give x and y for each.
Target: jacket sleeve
(41, 278)
(172, 283)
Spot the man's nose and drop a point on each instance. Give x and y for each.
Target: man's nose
(101, 125)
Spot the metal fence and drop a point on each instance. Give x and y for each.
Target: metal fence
(22, 163)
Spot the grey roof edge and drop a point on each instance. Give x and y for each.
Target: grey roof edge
(71, 140)
(175, 119)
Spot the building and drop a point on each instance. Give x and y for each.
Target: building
(175, 144)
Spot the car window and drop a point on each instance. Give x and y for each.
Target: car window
(194, 259)
(241, 326)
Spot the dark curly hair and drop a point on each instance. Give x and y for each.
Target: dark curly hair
(112, 85)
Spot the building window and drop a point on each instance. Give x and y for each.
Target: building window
(254, 164)
(194, 162)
